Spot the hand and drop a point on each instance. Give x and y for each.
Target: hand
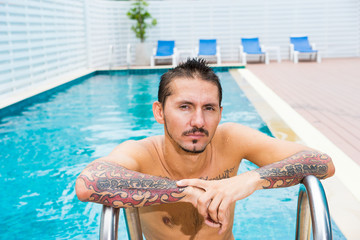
(192, 194)
(218, 195)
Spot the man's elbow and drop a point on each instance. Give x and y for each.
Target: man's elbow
(330, 166)
(82, 193)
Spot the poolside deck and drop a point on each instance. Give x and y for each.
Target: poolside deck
(325, 94)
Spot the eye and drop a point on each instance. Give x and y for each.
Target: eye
(209, 108)
(184, 106)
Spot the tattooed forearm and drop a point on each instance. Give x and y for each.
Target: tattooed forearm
(292, 170)
(117, 186)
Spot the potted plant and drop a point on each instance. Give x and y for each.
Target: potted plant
(144, 20)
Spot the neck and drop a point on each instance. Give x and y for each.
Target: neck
(181, 164)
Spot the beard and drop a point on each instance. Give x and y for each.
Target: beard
(193, 150)
(190, 149)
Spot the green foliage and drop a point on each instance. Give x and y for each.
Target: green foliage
(139, 13)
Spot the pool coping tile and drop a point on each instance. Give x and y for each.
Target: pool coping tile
(342, 190)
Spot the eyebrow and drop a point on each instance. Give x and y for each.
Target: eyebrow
(191, 103)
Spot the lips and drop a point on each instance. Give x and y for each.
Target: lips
(195, 135)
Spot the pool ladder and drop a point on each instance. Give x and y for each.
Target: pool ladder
(312, 195)
(312, 208)
(110, 222)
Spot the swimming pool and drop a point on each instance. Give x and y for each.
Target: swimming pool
(47, 141)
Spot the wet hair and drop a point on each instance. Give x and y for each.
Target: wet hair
(192, 68)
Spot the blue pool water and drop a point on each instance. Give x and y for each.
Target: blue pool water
(47, 141)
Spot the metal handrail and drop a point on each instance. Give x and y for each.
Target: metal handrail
(311, 202)
(133, 224)
(110, 222)
(312, 195)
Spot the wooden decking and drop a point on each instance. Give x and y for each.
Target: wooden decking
(326, 94)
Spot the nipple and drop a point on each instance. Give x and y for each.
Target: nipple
(167, 221)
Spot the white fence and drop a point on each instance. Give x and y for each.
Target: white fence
(39, 40)
(333, 24)
(44, 39)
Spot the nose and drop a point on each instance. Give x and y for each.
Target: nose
(198, 119)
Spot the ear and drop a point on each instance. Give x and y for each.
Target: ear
(221, 109)
(158, 112)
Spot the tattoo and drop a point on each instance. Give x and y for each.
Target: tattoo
(119, 187)
(292, 170)
(225, 174)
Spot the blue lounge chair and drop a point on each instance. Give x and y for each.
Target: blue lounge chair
(251, 46)
(164, 50)
(301, 45)
(208, 49)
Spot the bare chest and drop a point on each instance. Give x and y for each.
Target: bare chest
(177, 221)
(220, 163)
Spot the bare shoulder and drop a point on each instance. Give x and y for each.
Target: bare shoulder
(133, 154)
(256, 146)
(247, 136)
(231, 125)
(136, 147)
(237, 135)
(233, 139)
(235, 130)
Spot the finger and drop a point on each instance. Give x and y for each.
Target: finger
(192, 194)
(223, 227)
(224, 215)
(211, 223)
(202, 206)
(203, 203)
(223, 209)
(213, 208)
(191, 182)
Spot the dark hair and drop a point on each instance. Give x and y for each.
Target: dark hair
(192, 68)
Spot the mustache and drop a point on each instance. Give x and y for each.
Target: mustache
(196, 129)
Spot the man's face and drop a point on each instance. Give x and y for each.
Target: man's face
(192, 113)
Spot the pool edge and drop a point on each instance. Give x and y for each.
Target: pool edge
(21, 98)
(342, 193)
(45, 86)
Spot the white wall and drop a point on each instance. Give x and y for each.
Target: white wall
(44, 39)
(334, 25)
(107, 25)
(39, 40)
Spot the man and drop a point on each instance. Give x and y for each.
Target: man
(185, 180)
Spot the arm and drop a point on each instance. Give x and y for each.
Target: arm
(116, 180)
(111, 184)
(218, 195)
(293, 169)
(277, 169)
